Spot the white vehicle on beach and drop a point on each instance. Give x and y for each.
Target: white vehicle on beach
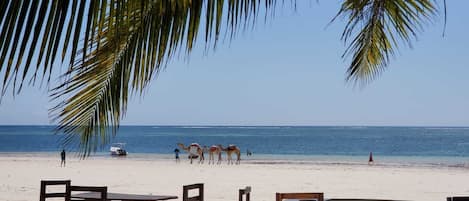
(118, 149)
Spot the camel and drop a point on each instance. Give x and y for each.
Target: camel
(230, 150)
(194, 150)
(214, 149)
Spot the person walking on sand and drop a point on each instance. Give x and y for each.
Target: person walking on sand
(176, 153)
(62, 156)
(370, 159)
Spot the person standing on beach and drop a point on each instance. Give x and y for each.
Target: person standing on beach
(62, 156)
(176, 153)
(370, 159)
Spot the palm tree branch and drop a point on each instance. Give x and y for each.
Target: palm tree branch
(377, 28)
(123, 57)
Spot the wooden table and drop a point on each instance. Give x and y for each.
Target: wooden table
(124, 197)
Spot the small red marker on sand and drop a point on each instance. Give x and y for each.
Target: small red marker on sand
(370, 160)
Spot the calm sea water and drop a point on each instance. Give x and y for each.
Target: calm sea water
(302, 141)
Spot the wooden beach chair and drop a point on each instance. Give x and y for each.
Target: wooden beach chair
(98, 193)
(246, 192)
(63, 194)
(459, 198)
(300, 196)
(187, 188)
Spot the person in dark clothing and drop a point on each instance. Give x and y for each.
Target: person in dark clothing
(370, 159)
(62, 156)
(248, 153)
(176, 153)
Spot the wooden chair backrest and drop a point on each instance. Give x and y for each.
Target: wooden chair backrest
(101, 190)
(43, 193)
(300, 196)
(185, 192)
(457, 198)
(247, 192)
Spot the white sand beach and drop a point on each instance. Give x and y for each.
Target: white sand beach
(20, 176)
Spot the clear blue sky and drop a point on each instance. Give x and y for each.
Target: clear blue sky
(290, 72)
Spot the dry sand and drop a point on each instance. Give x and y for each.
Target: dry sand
(20, 176)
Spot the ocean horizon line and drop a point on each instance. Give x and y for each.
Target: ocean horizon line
(281, 125)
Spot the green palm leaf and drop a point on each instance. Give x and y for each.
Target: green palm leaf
(375, 28)
(115, 47)
(126, 51)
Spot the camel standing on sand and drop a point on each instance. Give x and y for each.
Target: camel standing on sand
(190, 149)
(214, 149)
(230, 150)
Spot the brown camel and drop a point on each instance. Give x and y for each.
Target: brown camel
(230, 150)
(214, 149)
(194, 151)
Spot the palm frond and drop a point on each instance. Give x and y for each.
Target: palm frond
(112, 48)
(374, 30)
(125, 49)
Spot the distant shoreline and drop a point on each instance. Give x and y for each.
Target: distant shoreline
(269, 159)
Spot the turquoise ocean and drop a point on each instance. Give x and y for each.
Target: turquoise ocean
(432, 146)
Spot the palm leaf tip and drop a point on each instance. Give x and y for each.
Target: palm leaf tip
(375, 29)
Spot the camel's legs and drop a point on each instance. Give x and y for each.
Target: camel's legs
(202, 158)
(230, 160)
